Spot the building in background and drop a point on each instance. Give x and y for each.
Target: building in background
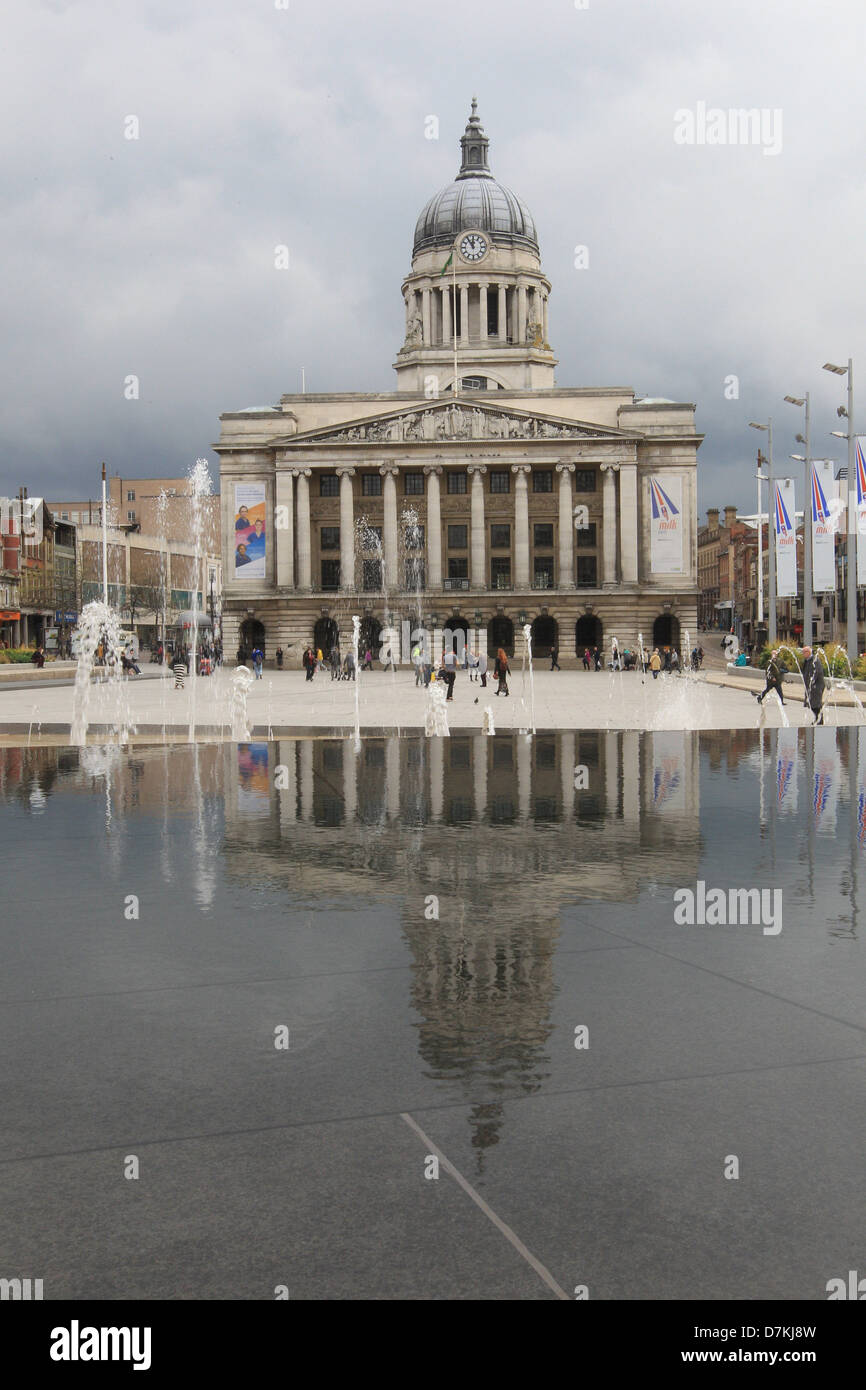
(508, 502)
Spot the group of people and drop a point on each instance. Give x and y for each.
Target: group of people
(813, 682)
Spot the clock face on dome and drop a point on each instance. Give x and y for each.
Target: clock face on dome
(473, 246)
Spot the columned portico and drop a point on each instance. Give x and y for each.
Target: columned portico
(347, 528)
(304, 547)
(609, 472)
(476, 472)
(285, 528)
(628, 533)
(566, 527)
(521, 525)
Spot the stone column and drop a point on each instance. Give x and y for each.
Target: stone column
(347, 529)
(628, 522)
(631, 777)
(476, 472)
(611, 773)
(434, 529)
(609, 471)
(350, 782)
(565, 578)
(544, 312)
(524, 776)
(304, 551)
(479, 771)
(285, 532)
(425, 315)
(436, 751)
(521, 312)
(503, 316)
(389, 529)
(447, 331)
(392, 778)
(566, 773)
(482, 311)
(288, 794)
(464, 314)
(521, 525)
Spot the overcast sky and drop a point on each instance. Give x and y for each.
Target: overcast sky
(305, 126)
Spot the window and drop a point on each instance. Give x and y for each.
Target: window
(372, 574)
(457, 537)
(584, 480)
(456, 483)
(130, 496)
(542, 480)
(415, 573)
(500, 537)
(371, 485)
(130, 516)
(474, 383)
(458, 568)
(544, 536)
(64, 516)
(414, 537)
(414, 484)
(587, 572)
(330, 538)
(500, 572)
(329, 485)
(500, 481)
(330, 574)
(586, 538)
(543, 572)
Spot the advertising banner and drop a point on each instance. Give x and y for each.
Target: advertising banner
(824, 525)
(250, 537)
(860, 539)
(666, 525)
(786, 539)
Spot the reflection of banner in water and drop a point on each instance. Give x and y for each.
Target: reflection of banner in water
(669, 760)
(825, 785)
(786, 770)
(786, 539)
(823, 527)
(254, 784)
(861, 787)
(666, 525)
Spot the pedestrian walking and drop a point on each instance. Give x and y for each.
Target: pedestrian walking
(596, 654)
(416, 662)
(279, 658)
(587, 660)
(180, 670)
(309, 662)
(335, 663)
(500, 671)
(258, 659)
(655, 663)
(449, 670)
(773, 676)
(813, 678)
(554, 659)
(675, 662)
(348, 667)
(482, 668)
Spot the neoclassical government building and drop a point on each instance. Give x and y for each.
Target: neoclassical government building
(476, 495)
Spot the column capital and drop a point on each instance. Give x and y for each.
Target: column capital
(301, 472)
(609, 467)
(344, 471)
(565, 469)
(389, 468)
(521, 468)
(476, 468)
(433, 468)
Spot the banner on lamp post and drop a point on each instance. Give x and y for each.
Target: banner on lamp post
(666, 525)
(786, 539)
(860, 537)
(824, 525)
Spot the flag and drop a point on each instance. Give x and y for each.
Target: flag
(447, 263)
(823, 528)
(786, 539)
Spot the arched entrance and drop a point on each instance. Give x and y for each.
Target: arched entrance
(545, 635)
(455, 635)
(252, 635)
(500, 633)
(325, 636)
(588, 632)
(666, 631)
(369, 636)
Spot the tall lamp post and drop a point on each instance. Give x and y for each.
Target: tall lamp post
(851, 560)
(771, 528)
(806, 460)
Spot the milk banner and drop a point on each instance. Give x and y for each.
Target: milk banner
(668, 779)
(666, 525)
(860, 538)
(826, 778)
(786, 770)
(823, 527)
(786, 540)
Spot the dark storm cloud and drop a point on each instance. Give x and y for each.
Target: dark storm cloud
(261, 126)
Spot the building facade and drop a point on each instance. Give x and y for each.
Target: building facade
(478, 494)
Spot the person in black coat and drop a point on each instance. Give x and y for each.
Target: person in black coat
(813, 679)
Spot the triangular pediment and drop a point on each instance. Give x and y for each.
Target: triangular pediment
(453, 420)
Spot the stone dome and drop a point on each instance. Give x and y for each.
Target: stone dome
(475, 200)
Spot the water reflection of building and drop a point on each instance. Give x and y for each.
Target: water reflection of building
(497, 829)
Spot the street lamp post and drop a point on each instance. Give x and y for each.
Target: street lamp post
(851, 561)
(806, 460)
(771, 528)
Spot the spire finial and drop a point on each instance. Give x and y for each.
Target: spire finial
(474, 106)
(474, 146)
